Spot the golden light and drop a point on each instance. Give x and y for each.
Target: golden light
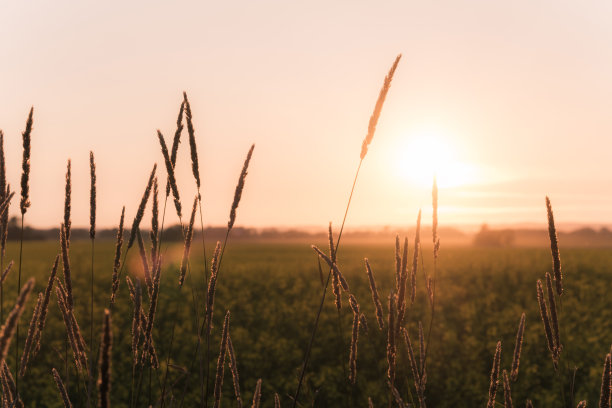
(425, 153)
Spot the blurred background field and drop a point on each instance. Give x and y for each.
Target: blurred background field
(273, 291)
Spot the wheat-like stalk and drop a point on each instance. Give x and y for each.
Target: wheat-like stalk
(507, 391)
(6, 271)
(378, 108)
(104, 375)
(72, 336)
(413, 363)
(398, 262)
(141, 208)
(277, 403)
(335, 277)
(29, 342)
(2, 177)
(234, 369)
(354, 340)
(67, 203)
(554, 248)
(154, 222)
(149, 350)
(145, 262)
(6, 201)
(62, 389)
(375, 297)
(212, 288)
(148, 336)
(430, 281)
(171, 175)
(333, 266)
(257, 394)
(401, 290)
(517, 348)
(553, 314)
(117, 260)
(415, 258)
(221, 360)
(391, 339)
(188, 238)
(92, 237)
(25, 164)
(363, 323)
(239, 188)
(136, 329)
(176, 141)
(82, 346)
(545, 319)
(4, 218)
(150, 347)
(66, 265)
(422, 356)
(7, 394)
(396, 395)
(92, 196)
(192, 143)
(330, 238)
(494, 375)
(12, 387)
(42, 318)
(4, 193)
(10, 325)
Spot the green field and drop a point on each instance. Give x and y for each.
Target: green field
(273, 292)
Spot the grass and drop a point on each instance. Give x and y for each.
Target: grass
(272, 289)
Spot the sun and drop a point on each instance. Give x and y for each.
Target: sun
(423, 154)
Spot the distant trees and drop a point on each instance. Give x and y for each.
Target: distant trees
(487, 237)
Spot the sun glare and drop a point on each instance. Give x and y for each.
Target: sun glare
(424, 154)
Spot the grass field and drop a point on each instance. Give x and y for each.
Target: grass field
(272, 291)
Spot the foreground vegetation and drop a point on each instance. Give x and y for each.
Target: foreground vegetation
(272, 290)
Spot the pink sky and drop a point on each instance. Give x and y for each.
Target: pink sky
(516, 97)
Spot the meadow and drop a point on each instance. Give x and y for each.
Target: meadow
(272, 289)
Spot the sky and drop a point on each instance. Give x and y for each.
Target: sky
(506, 102)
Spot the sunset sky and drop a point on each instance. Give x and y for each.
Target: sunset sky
(506, 101)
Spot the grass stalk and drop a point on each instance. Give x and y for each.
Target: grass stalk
(18, 289)
(318, 316)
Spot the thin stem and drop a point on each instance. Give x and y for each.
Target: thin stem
(205, 294)
(66, 360)
(343, 347)
(208, 331)
(194, 300)
(159, 244)
(149, 403)
(91, 327)
(197, 350)
(163, 395)
(316, 324)
(433, 310)
(18, 289)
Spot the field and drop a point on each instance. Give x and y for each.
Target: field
(273, 292)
